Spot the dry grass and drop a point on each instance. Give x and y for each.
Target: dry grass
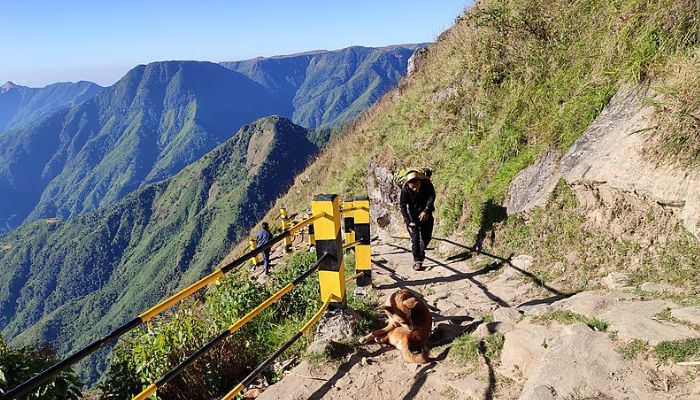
(677, 136)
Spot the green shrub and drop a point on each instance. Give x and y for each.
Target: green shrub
(678, 350)
(18, 365)
(151, 352)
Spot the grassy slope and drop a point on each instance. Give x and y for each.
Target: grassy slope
(509, 81)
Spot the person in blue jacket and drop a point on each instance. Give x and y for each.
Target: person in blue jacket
(417, 201)
(264, 236)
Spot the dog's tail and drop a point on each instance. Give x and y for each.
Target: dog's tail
(417, 358)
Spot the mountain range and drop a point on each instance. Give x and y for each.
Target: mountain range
(163, 116)
(66, 283)
(322, 89)
(21, 105)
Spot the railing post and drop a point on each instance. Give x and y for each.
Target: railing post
(331, 271)
(348, 223)
(253, 243)
(312, 236)
(286, 224)
(363, 261)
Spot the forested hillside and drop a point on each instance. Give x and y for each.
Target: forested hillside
(326, 88)
(66, 283)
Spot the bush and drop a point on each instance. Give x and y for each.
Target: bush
(150, 352)
(18, 365)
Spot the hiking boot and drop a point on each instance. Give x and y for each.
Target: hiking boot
(417, 266)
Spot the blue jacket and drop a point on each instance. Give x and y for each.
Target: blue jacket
(263, 237)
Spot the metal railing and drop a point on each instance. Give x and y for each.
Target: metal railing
(153, 388)
(324, 225)
(147, 315)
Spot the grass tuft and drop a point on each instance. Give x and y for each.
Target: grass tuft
(568, 317)
(678, 350)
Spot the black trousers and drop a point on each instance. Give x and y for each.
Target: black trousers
(420, 237)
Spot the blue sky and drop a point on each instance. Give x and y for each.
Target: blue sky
(69, 40)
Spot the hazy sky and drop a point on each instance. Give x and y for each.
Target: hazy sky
(70, 40)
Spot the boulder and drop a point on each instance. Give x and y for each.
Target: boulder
(582, 364)
(335, 326)
(614, 280)
(688, 314)
(523, 347)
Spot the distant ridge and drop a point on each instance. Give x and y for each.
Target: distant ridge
(326, 88)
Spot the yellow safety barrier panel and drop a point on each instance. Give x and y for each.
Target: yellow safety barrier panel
(286, 225)
(328, 240)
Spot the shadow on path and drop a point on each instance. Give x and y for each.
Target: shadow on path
(537, 281)
(344, 368)
(457, 276)
(422, 375)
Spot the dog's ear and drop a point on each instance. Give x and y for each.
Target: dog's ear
(410, 302)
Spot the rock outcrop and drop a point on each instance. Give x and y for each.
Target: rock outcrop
(609, 172)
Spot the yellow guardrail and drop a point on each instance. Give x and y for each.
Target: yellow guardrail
(248, 379)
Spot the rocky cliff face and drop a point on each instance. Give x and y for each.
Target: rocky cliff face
(615, 181)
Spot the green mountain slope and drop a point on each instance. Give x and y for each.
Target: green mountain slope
(322, 89)
(156, 120)
(21, 105)
(509, 81)
(68, 283)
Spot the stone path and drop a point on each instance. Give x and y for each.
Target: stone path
(540, 360)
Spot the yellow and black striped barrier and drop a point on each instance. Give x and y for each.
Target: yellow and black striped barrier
(248, 379)
(328, 240)
(362, 235)
(52, 371)
(348, 222)
(153, 388)
(286, 225)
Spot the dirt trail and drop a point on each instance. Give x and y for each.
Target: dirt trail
(541, 359)
(458, 296)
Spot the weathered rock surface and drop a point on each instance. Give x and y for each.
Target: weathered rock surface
(581, 364)
(608, 171)
(523, 349)
(532, 186)
(629, 317)
(609, 153)
(688, 314)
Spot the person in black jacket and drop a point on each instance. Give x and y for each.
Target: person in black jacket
(417, 202)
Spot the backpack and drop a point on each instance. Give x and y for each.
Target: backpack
(422, 173)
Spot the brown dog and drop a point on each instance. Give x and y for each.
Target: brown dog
(408, 328)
